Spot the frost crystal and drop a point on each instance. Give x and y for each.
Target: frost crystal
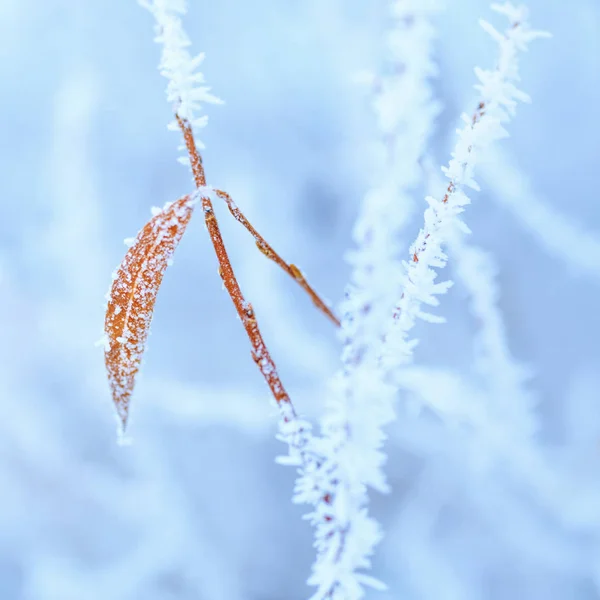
(186, 89)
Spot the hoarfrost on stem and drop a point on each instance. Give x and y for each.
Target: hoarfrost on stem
(347, 457)
(498, 99)
(504, 379)
(186, 89)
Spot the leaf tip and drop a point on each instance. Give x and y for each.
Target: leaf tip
(122, 438)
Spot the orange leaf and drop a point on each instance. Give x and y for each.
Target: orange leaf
(133, 294)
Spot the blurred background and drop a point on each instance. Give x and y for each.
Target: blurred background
(196, 508)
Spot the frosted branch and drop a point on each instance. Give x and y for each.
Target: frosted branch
(503, 378)
(502, 375)
(186, 88)
(498, 99)
(347, 457)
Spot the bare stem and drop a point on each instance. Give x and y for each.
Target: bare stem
(260, 353)
(292, 270)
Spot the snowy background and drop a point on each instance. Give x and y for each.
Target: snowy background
(197, 508)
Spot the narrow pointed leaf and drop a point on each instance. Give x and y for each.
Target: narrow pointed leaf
(133, 294)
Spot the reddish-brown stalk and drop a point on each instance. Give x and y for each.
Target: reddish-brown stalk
(292, 270)
(260, 353)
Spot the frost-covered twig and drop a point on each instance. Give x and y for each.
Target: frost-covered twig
(347, 457)
(260, 353)
(499, 372)
(186, 88)
(292, 270)
(498, 100)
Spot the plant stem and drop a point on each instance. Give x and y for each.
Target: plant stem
(292, 270)
(260, 353)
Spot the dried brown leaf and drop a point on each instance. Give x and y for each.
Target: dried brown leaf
(133, 294)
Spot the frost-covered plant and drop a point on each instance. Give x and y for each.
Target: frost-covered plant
(385, 295)
(136, 282)
(498, 100)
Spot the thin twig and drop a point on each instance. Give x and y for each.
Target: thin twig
(292, 270)
(260, 353)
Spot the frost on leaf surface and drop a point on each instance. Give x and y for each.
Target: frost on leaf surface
(133, 294)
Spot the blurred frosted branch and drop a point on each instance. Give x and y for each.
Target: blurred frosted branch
(157, 546)
(557, 233)
(495, 417)
(505, 379)
(478, 446)
(412, 538)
